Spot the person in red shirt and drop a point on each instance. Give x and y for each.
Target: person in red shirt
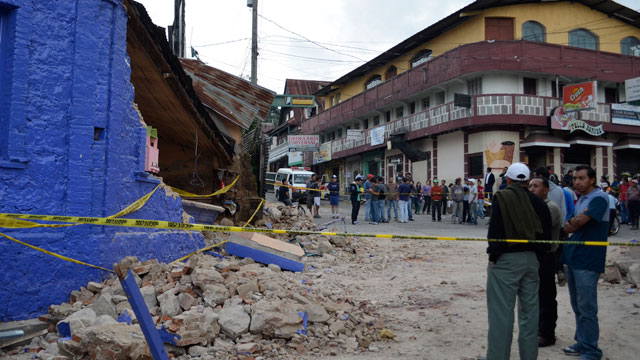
(436, 201)
(624, 186)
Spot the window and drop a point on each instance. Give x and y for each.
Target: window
(333, 100)
(373, 81)
(365, 124)
(556, 89)
(376, 121)
(412, 107)
(387, 116)
(356, 126)
(391, 72)
(630, 46)
(533, 31)
(339, 133)
(426, 103)
(474, 86)
(610, 95)
(475, 165)
(399, 112)
(338, 97)
(421, 57)
(583, 39)
(529, 86)
(439, 98)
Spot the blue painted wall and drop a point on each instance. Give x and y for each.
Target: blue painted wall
(65, 77)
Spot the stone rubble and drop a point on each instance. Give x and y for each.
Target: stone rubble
(222, 307)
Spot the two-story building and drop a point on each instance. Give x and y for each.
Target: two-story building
(477, 88)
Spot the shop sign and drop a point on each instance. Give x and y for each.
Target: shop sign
(625, 114)
(579, 97)
(323, 154)
(295, 158)
(303, 142)
(632, 89)
(354, 135)
(567, 121)
(377, 135)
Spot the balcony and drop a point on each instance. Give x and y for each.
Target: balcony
(513, 56)
(486, 109)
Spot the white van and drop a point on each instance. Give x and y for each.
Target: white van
(296, 177)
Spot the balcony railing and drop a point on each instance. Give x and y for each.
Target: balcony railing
(482, 105)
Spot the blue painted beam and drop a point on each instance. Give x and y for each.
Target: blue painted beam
(263, 257)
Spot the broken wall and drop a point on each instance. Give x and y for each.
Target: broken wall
(72, 144)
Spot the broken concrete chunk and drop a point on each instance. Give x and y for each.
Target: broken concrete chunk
(104, 306)
(114, 342)
(215, 294)
(203, 276)
(169, 305)
(149, 296)
(105, 320)
(94, 287)
(186, 301)
(317, 313)
(76, 321)
(234, 321)
(248, 288)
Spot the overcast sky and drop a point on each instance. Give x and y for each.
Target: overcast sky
(302, 39)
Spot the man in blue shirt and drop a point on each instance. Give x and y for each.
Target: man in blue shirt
(403, 199)
(367, 198)
(586, 263)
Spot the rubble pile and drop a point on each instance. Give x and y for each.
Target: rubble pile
(220, 307)
(280, 216)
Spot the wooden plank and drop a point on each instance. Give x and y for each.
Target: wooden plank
(23, 338)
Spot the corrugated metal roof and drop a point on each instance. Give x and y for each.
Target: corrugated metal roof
(230, 96)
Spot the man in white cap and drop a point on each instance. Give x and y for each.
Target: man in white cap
(513, 267)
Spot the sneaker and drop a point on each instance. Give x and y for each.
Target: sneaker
(316, 216)
(571, 350)
(433, 220)
(439, 220)
(411, 220)
(354, 223)
(373, 223)
(544, 342)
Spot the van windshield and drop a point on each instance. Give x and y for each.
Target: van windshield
(301, 178)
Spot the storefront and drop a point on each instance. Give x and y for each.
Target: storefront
(627, 155)
(373, 163)
(353, 167)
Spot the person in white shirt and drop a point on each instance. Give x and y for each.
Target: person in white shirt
(473, 201)
(613, 206)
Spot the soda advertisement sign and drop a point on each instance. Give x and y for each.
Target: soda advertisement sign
(561, 120)
(579, 97)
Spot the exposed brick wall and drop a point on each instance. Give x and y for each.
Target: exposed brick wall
(68, 76)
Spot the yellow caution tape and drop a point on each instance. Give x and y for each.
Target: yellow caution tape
(199, 251)
(54, 254)
(161, 224)
(136, 205)
(254, 213)
(219, 192)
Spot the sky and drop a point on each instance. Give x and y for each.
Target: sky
(302, 39)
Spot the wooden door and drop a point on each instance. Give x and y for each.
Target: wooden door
(498, 28)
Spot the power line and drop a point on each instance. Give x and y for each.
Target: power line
(313, 58)
(221, 43)
(309, 40)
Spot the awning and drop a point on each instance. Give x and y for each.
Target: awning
(547, 140)
(595, 141)
(627, 143)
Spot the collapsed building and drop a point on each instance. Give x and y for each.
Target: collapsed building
(97, 112)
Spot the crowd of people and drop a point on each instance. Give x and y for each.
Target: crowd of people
(529, 205)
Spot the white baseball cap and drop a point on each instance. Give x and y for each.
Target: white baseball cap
(518, 172)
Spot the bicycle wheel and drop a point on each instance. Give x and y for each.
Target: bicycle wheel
(616, 226)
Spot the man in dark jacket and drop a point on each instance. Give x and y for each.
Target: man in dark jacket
(354, 191)
(489, 180)
(513, 267)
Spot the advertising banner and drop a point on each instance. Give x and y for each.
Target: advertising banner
(625, 114)
(323, 154)
(295, 158)
(354, 135)
(561, 120)
(632, 89)
(303, 142)
(377, 135)
(579, 97)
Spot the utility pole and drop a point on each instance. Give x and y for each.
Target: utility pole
(254, 41)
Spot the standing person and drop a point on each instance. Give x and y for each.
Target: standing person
(309, 184)
(334, 196)
(466, 217)
(556, 194)
(489, 180)
(436, 201)
(457, 196)
(283, 193)
(354, 190)
(374, 190)
(403, 198)
(503, 183)
(412, 194)
(633, 203)
(381, 200)
(624, 211)
(604, 183)
(426, 193)
(392, 199)
(552, 176)
(367, 198)
(547, 291)
(473, 202)
(445, 197)
(418, 197)
(586, 263)
(613, 206)
(481, 195)
(568, 178)
(513, 268)
(316, 193)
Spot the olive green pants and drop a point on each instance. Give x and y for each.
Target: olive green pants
(515, 275)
